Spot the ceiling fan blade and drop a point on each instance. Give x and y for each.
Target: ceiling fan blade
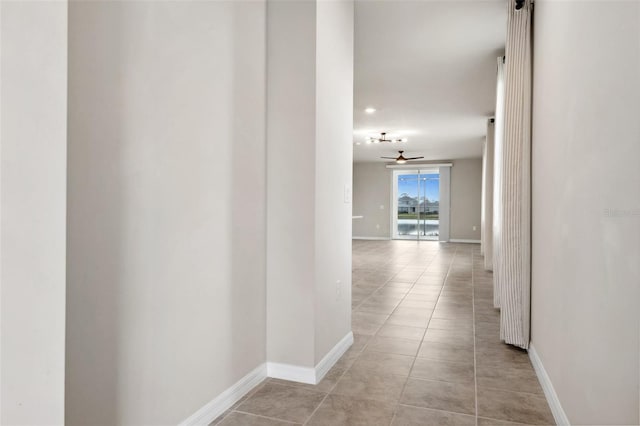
(413, 158)
(389, 158)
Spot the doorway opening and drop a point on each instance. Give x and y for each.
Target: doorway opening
(416, 204)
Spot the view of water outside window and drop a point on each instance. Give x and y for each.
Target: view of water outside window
(418, 206)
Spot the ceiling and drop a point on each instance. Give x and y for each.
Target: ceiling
(429, 69)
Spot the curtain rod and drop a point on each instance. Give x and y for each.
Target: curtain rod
(418, 165)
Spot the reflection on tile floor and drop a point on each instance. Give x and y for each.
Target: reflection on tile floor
(426, 351)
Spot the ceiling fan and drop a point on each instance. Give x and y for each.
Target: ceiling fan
(383, 138)
(401, 159)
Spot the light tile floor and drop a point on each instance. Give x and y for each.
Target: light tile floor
(426, 351)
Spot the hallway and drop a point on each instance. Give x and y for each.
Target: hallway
(426, 351)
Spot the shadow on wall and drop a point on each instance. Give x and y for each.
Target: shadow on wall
(166, 207)
(248, 188)
(96, 190)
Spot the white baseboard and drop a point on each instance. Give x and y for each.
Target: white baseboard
(213, 409)
(371, 238)
(461, 240)
(333, 356)
(292, 373)
(310, 375)
(549, 392)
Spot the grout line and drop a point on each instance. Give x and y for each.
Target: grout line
(319, 405)
(438, 409)
(433, 257)
(368, 342)
(444, 281)
(264, 417)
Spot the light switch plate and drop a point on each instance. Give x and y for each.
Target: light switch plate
(347, 193)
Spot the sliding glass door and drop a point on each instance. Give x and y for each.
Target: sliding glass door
(416, 209)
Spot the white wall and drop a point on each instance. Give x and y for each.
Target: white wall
(166, 208)
(291, 181)
(33, 186)
(334, 150)
(586, 203)
(309, 134)
(371, 191)
(466, 199)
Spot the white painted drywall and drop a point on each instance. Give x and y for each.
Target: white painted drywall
(309, 131)
(166, 208)
(334, 150)
(291, 118)
(466, 199)
(586, 206)
(33, 186)
(371, 199)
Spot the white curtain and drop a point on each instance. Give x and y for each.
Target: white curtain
(486, 219)
(512, 267)
(498, 142)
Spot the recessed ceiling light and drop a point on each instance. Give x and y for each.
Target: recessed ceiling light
(370, 110)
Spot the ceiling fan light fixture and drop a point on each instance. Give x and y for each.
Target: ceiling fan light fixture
(401, 159)
(383, 138)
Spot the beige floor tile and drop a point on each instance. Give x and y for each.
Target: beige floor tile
(339, 410)
(359, 343)
(388, 299)
(435, 280)
(514, 406)
(415, 312)
(517, 378)
(415, 416)
(482, 421)
(377, 308)
(462, 337)
(446, 351)
(369, 317)
(367, 385)
(499, 354)
(409, 277)
(402, 331)
(443, 371)
(400, 289)
(282, 402)
(451, 324)
(376, 362)
(393, 345)
(408, 320)
(420, 304)
(454, 313)
(394, 284)
(444, 396)
(391, 291)
(243, 419)
(432, 291)
(362, 326)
